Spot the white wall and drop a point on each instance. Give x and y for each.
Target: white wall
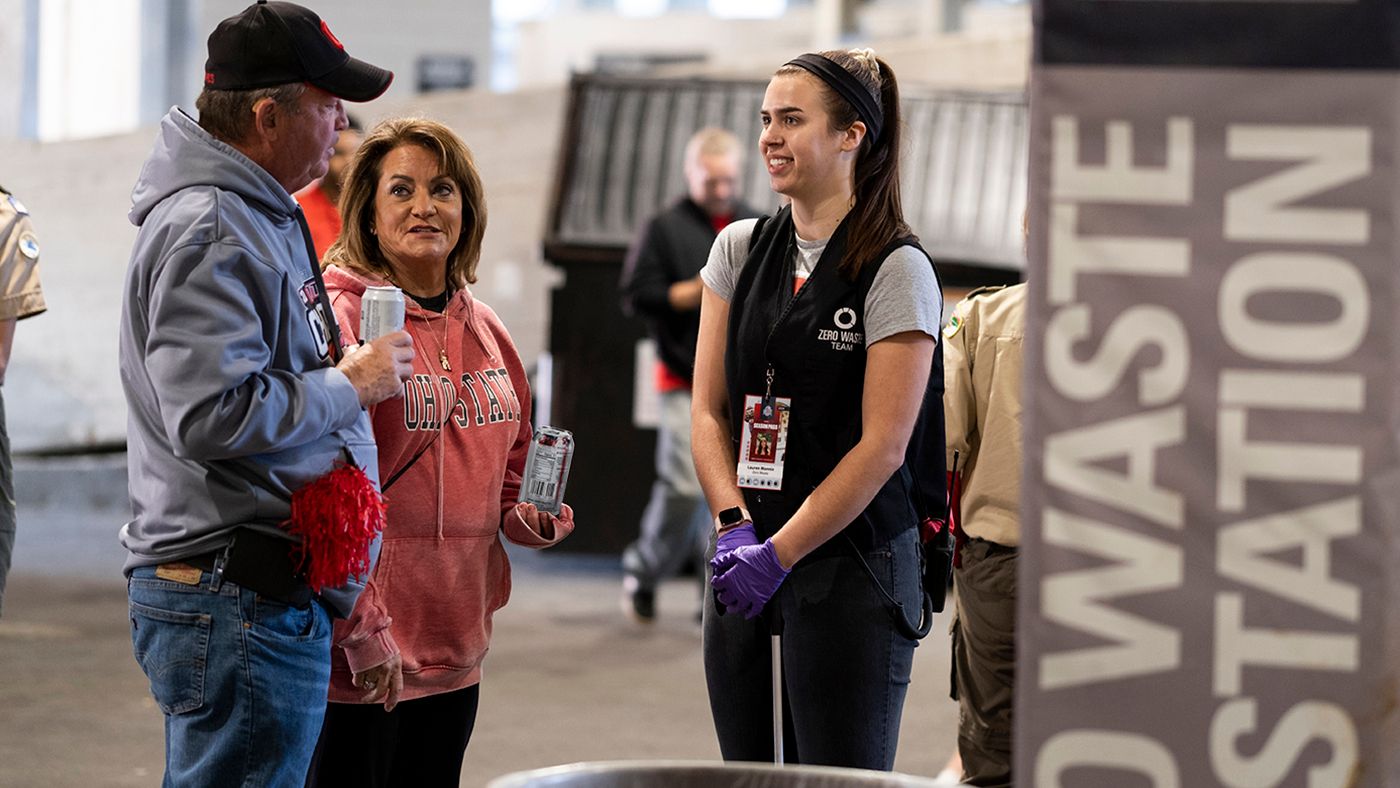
(104, 66)
(389, 35)
(12, 66)
(62, 389)
(549, 49)
(993, 52)
(89, 67)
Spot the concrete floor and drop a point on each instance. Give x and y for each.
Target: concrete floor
(569, 678)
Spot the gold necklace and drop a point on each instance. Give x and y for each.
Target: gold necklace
(441, 348)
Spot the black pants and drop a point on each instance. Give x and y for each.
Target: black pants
(419, 743)
(845, 667)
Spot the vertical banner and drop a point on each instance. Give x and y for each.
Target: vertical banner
(1209, 569)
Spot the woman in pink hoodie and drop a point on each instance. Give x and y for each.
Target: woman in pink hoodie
(407, 663)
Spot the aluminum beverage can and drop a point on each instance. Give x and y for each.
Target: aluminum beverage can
(381, 312)
(547, 468)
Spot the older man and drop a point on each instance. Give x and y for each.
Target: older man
(661, 283)
(239, 396)
(319, 201)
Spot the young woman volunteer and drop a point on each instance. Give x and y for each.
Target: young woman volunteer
(817, 336)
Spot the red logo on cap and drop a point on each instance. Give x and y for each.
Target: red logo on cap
(325, 28)
(208, 77)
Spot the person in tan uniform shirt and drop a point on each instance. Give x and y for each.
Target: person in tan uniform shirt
(20, 297)
(982, 411)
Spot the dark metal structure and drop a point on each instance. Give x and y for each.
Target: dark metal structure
(964, 188)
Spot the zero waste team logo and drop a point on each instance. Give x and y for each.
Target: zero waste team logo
(842, 337)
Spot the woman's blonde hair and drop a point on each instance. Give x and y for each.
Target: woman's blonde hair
(358, 246)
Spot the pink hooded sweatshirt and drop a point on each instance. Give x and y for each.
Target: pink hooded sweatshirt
(442, 571)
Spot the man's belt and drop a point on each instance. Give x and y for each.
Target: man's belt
(258, 562)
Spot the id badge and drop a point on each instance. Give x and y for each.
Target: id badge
(763, 443)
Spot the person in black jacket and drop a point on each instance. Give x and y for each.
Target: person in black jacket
(661, 284)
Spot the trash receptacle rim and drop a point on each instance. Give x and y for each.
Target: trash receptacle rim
(580, 772)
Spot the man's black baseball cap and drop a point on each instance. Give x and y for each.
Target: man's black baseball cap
(276, 43)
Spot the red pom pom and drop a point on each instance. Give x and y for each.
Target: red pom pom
(337, 517)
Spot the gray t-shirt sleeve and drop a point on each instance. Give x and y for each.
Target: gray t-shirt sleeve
(903, 297)
(727, 258)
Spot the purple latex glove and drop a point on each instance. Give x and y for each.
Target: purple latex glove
(752, 578)
(729, 541)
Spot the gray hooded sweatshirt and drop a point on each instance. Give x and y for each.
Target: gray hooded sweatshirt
(232, 401)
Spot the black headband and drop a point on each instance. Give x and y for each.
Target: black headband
(846, 86)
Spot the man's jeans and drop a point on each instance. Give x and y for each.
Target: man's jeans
(241, 679)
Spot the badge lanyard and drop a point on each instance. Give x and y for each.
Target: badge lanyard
(763, 434)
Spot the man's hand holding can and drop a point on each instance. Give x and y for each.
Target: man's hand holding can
(377, 369)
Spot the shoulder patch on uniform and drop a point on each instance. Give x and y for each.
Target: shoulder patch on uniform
(29, 246)
(954, 323)
(17, 205)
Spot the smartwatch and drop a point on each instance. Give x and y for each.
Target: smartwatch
(732, 517)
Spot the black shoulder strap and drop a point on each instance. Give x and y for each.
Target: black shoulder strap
(757, 230)
(333, 325)
(383, 488)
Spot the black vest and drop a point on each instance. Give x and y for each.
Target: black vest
(815, 343)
